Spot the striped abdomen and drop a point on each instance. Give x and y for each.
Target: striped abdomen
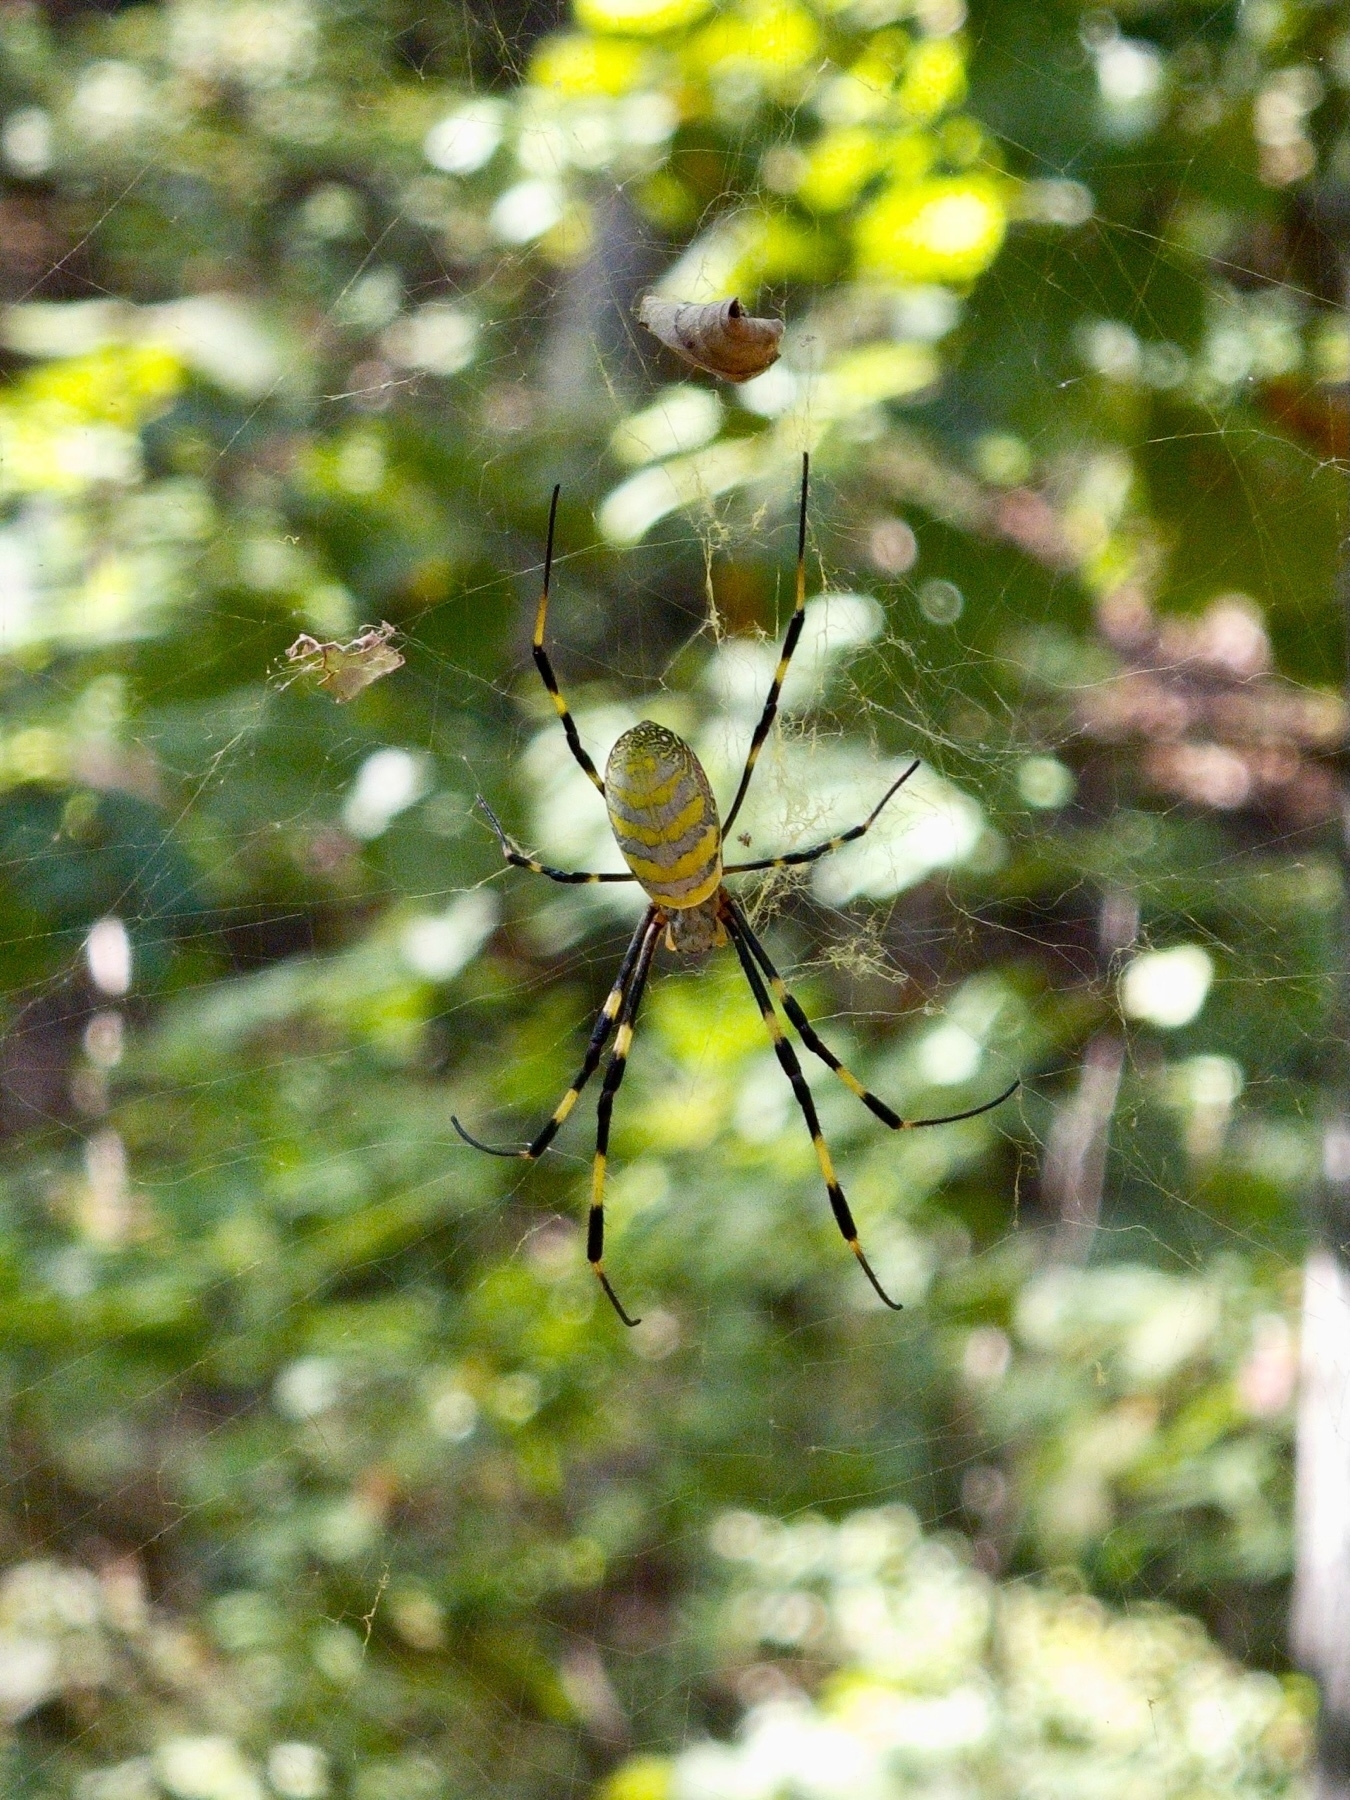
(664, 816)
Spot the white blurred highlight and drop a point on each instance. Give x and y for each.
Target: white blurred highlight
(438, 945)
(1167, 987)
(107, 951)
(388, 782)
(466, 139)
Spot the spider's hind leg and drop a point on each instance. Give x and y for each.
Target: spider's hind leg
(787, 1058)
(618, 1062)
(818, 1047)
(599, 1037)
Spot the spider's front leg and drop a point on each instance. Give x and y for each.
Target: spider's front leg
(794, 631)
(545, 667)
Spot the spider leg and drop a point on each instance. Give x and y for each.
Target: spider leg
(516, 856)
(795, 857)
(818, 1047)
(608, 1013)
(794, 631)
(618, 1062)
(545, 667)
(787, 1058)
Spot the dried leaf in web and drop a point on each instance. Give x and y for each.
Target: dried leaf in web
(343, 670)
(720, 337)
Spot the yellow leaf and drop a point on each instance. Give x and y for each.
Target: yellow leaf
(946, 229)
(640, 18)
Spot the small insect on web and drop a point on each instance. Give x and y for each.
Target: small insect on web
(664, 816)
(346, 670)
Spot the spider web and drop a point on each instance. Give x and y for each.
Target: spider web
(325, 1472)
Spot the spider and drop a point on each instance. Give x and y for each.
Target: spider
(663, 813)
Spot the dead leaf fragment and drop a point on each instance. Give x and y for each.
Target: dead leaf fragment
(343, 670)
(721, 337)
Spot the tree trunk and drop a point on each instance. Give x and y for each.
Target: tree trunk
(1074, 1172)
(1320, 1623)
(1320, 1616)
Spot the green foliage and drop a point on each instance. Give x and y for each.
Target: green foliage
(940, 1682)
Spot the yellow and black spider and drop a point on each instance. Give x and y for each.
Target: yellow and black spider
(664, 817)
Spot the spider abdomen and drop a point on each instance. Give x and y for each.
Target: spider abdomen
(664, 816)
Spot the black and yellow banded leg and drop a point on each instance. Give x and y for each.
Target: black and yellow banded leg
(599, 1037)
(794, 858)
(794, 631)
(818, 1047)
(787, 1058)
(545, 667)
(618, 1062)
(517, 857)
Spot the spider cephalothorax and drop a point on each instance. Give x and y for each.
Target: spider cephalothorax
(664, 816)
